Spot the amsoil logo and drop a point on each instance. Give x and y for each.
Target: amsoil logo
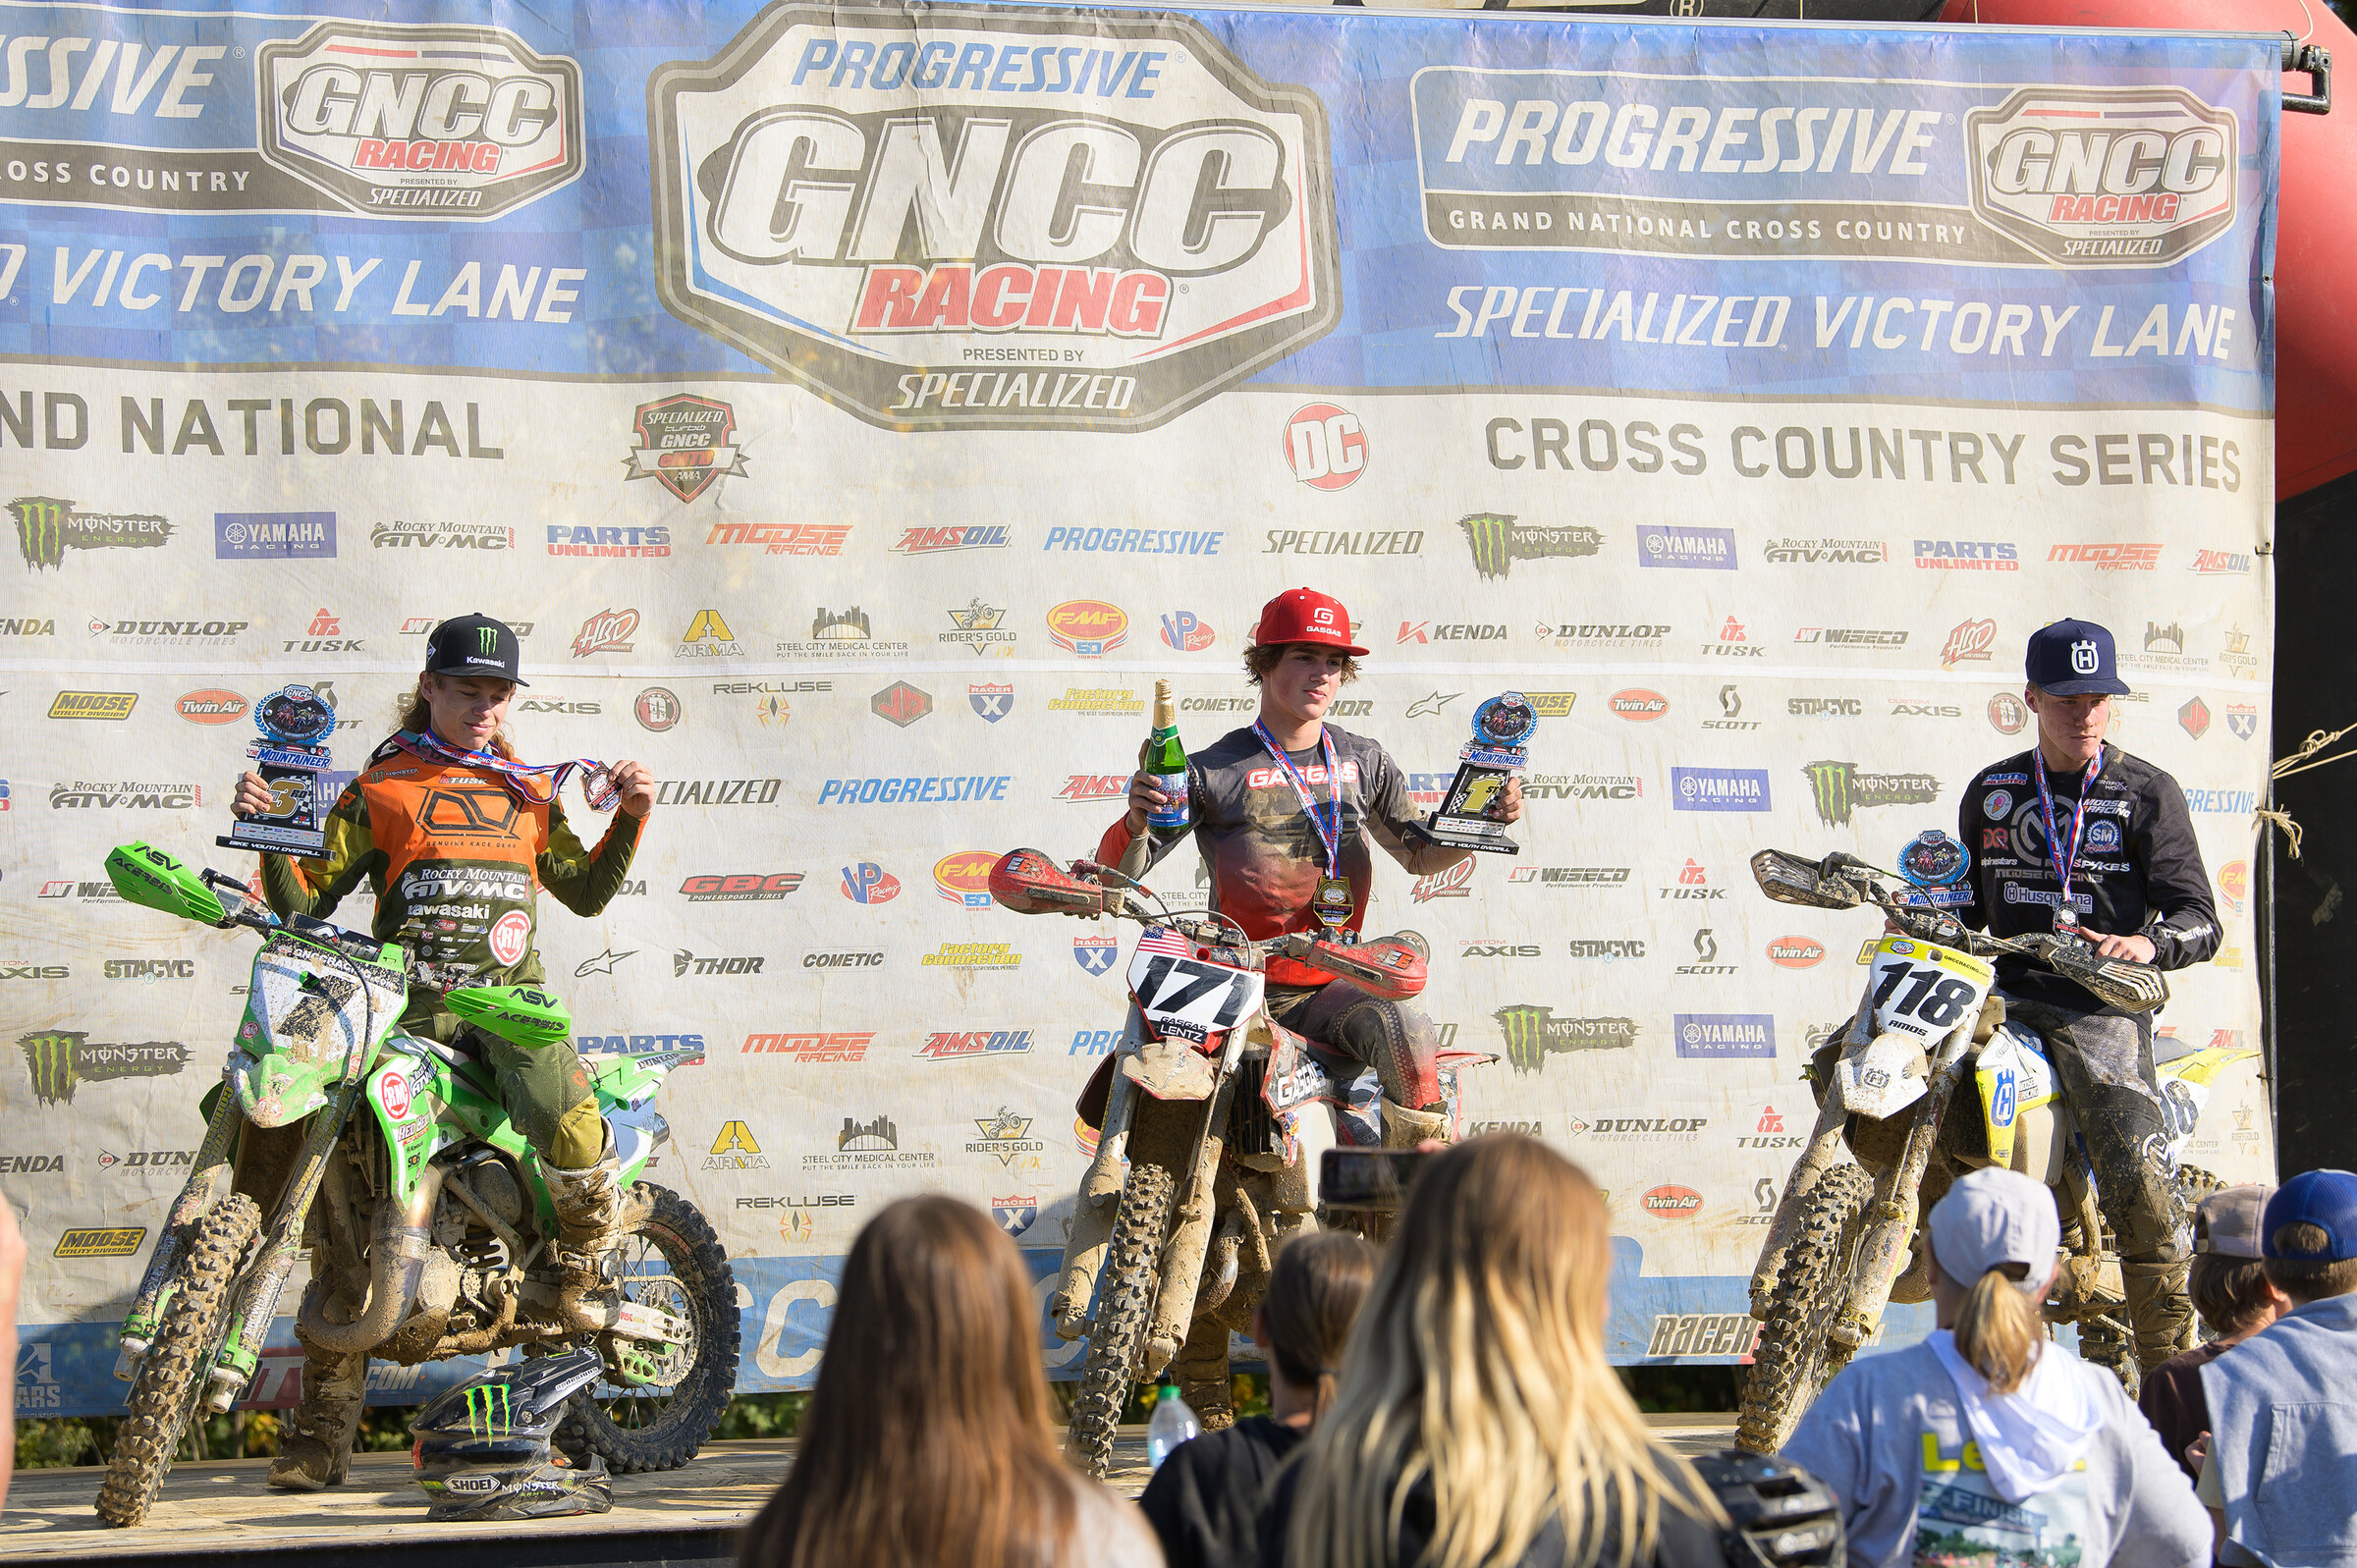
(435, 123)
(2103, 177)
(790, 169)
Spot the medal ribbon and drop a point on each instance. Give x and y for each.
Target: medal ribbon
(534, 783)
(1330, 834)
(2065, 857)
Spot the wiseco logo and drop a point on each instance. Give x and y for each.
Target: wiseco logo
(2103, 177)
(860, 198)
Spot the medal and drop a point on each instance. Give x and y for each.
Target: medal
(1331, 903)
(2065, 855)
(534, 783)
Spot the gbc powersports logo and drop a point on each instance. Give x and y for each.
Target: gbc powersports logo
(2093, 177)
(960, 217)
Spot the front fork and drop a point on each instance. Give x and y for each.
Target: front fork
(1098, 1201)
(266, 1279)
(1882, 1253)
(202, 1189)
(1825, 1149)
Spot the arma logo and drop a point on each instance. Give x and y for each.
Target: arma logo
(2103, 177)
(432, 123)
(887, 205)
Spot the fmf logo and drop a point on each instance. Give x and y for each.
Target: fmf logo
(965, 878)
(1089, 628)
(877, 202)
(2103, 177)
(436, 122)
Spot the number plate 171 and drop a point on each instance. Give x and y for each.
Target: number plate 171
(1925, 990)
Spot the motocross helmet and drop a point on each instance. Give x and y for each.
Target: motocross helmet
(481, 1450)
(1782, 1516)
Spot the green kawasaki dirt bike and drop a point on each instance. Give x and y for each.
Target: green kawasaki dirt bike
(429, 1229)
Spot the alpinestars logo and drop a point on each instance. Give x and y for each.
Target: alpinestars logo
(47, 527)
(434, 123)
(1498, 541)
(1532, 1033)
(61, 1060)
(1839, 789)
(882, 202)
(2103, 177)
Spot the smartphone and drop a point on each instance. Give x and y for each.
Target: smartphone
(1368, 1179)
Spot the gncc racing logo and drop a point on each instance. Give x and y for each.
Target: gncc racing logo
(2103, 177)
(420, 122)
(969, 217)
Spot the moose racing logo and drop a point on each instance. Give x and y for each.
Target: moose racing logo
(966, 217)
(2103, 177)
(420, 122)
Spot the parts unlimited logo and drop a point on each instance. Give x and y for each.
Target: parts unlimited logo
(47, 527)
(1007, 216)
(2103, 177)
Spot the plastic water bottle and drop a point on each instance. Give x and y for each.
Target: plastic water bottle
(1173, 1424)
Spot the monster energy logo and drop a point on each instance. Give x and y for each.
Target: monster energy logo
(60, 1060)
(490, 1410)
(47, 527)
(1497, 542)
(1839, 790)
(1532, 1032)
(486, 641)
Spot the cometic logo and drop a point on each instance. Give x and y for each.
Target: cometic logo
(792, 171)
(434, 123)
(2103, 177)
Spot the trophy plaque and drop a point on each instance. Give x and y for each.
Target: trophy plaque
(292, 721)
(1500, 748)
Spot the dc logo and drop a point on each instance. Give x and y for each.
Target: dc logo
(1095, 954)
(2084, 660)
(1325, 446)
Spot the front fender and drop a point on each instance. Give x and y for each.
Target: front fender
(1172, 1070)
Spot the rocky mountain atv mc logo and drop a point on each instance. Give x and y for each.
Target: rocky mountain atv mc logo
(435, 123)
(2103, 177)
(1110, 211)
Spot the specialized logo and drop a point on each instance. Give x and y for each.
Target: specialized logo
(978, 629)
(1715, 1035)
(2103, 177)
(1499, 540)
(991, 701)
(607, 631)
(60, 1060)
(684, 443)
(1089, 628)
(1183, 632)
(47, 527)
(1532, 1034)
(964, 879)
(919, 213)
(1839, 789)
(870, 883)
(1326, 446)
(435, 123)
(1967, 641)
(901, 704)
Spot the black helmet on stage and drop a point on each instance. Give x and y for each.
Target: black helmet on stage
(1783, 1517)
(481, 1450)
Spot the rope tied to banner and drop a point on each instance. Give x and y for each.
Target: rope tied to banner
(2299, 761)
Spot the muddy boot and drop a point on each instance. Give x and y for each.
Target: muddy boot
(2158, 1307)
(1405, 1129)
(314, 1447)
(591, 1213)
(1201, 1367)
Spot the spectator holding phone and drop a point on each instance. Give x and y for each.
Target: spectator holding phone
(2232, 1294)
(1477, 1421)
(1206, 1499)
(926, 1443)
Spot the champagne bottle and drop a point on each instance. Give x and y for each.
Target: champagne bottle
(1166, 759)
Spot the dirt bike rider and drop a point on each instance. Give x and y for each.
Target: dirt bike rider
(1287, 845)
(456, 837)
(2075, 832)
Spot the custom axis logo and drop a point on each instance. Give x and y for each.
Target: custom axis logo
(1108, 209)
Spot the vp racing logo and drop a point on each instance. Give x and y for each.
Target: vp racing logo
(2103, 177)
(440, 121)
(993, 216)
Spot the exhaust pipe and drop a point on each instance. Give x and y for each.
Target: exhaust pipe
(396, 1258)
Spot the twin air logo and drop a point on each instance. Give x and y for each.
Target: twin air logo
(2103, 177)
(879, 203)
(435, 123)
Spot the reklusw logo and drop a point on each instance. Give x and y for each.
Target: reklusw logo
(993, 216)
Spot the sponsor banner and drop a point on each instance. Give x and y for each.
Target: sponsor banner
(931, 373)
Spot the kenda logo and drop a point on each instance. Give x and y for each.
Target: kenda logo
(1008, 216)
(2105, 177)
(438, 123)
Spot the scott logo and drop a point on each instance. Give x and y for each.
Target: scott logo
(435, 123)
(1121, 194)
(2103, 177)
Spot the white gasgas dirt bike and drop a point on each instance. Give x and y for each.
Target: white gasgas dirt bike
(1892, 1132)
(1210, 1118)
(430, 1226)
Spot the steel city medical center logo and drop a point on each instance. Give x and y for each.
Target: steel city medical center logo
(960, 216)
(2103, 177)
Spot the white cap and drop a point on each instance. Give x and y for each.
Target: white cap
(1993, 1217)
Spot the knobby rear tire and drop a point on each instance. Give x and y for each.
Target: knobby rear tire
(168, 1392)
(1796, 1355)
(1125, 1311)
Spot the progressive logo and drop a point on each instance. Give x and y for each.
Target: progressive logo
(2103, 177)
(1003, 216)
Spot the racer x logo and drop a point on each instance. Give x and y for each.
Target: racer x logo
(486, 810)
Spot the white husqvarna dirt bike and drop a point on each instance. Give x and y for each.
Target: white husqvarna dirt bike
(1210, 1119)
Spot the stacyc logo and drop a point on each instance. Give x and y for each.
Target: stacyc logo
(969, 216)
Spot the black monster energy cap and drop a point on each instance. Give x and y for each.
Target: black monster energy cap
(476, 645)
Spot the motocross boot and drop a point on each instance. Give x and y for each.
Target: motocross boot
(314, 1448)
(1204, 1381)
(593, 1214)
(2158, 1307)
(1405, 1129)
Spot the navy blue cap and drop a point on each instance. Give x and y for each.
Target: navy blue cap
(2325, 1198)
(476, 645)
(2074, 659)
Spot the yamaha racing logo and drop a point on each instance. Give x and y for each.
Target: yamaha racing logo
(957, 217)
(439, 123)
(2103, 177)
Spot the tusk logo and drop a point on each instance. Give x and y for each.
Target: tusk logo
(2103, 177)
(874, 201)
